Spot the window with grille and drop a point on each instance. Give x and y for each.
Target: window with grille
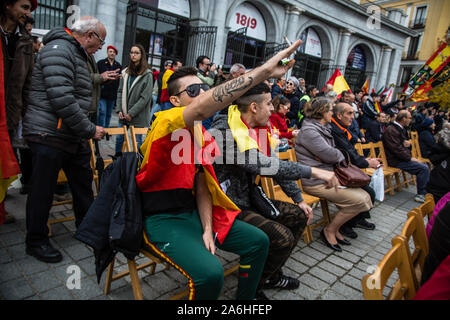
(50, 14)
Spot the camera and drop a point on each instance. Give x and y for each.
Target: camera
(225, 68)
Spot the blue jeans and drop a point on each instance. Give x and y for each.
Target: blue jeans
(420, 170)
(120, 139)
(105, 108)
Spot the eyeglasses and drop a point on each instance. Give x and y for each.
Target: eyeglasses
(102, 41)
(290, 83)
(193, 90)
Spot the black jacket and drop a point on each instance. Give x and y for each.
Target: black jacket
(343, 144)
(60, 91)
(109, 89)
(375, 131)
(114, 221)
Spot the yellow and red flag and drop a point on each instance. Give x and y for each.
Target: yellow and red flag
(338, 82)
(365, 87)
(170, 164)
(9, 168)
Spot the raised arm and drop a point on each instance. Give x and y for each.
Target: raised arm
(211, 101)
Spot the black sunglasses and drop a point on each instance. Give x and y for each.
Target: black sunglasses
(193, 90)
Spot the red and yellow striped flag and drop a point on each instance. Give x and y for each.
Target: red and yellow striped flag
(170, 164)
(365, 87)
(338, 82)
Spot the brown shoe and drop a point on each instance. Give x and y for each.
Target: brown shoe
(9, 218)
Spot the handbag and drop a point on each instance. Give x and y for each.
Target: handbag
(260, 201)
(350, 175)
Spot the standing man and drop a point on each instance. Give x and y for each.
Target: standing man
(164, 100)
(57, 128)
(109, 89)
(15, 75)
(203, 67)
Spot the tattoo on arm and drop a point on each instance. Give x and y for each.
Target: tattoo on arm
(230, 87)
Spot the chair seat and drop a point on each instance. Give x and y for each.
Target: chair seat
(281, 196)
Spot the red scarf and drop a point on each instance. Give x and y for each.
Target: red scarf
(8, 161)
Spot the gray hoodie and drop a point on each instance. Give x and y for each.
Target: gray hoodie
(235, 169)
(315, 147)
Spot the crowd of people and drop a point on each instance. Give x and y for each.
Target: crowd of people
(53, 101)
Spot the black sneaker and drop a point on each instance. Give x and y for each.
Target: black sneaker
(283, 282)
(260, 295)
(364, 224)
(348, 232)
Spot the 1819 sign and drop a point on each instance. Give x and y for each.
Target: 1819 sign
(245, 21)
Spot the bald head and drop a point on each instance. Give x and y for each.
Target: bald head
(90, 33)
(404, 118)
(344, 112)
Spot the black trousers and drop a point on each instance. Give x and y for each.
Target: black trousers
(283, 232)
(363, 215)
(47, 162)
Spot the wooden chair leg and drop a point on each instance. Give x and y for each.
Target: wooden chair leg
(109, 276)
(398, 182)
(390, 186)
(137, 292)
(307, 235)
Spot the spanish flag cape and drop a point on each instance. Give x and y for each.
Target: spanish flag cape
(9, 169)
(250, 138)
(161, 168)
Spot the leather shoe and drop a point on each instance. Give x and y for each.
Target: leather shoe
(364, 224)
(348, 232)
(335, 247)
(345, 242)
(45, 253)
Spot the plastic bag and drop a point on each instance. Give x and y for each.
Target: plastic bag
(377, 184)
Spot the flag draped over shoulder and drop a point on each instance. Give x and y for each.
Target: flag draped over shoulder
(9, 169)
(338, 82)
(171, 152)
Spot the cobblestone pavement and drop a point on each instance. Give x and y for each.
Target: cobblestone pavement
(323, 273)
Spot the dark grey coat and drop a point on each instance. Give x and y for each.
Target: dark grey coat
(235, 169)
(61, 88)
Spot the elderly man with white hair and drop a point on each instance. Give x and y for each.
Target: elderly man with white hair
(237, 70)
(57, 128)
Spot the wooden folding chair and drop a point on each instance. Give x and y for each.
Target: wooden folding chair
(126, 147)
(388, 172)
(415, 149)
(426, 209)
(134, 131)
(415, 228)
(276, 193)
(396, 258)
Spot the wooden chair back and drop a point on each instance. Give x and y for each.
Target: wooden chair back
(398, 259)
(415, 228)
(135, 131)
(415, 146)
(426, 209)
(275, 192)
(126, 147)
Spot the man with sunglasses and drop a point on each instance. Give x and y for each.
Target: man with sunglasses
(184, 227)
(204, 67)
(57, 128)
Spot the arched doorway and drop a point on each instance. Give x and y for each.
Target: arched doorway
(308, 59)
(246, 40)
(355, 71)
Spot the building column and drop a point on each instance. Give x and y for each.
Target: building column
(384, 67)
(219, 21)
(293, 13)
(106, 13)
(341, 62)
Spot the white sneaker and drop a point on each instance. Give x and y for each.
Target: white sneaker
(419, 198)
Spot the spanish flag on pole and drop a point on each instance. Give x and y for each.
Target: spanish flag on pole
(365, 87)
(338, 82)
(9, 169)
(172, 153)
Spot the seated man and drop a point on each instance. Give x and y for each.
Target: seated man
(398, 153)
(182, 227)
(247, 153)
(376, 128)
(343, 115)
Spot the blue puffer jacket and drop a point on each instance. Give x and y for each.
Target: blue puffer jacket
(61, 91)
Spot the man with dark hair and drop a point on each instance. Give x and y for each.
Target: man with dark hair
(204, 65)
(16, 70)
(29, 24)
(369, 112)
(182, 226)
(398, 153)
(250, 150)
(164, 101)
(311, 93)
